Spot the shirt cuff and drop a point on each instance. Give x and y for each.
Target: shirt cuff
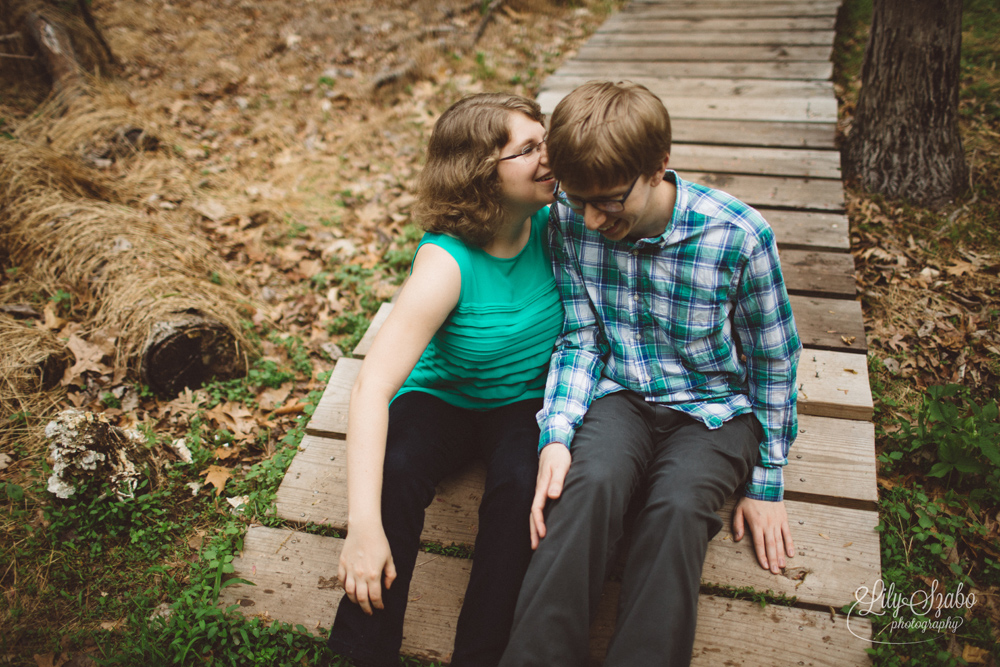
(766, 484)
(557, 428)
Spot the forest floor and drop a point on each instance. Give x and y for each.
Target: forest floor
(295, 132)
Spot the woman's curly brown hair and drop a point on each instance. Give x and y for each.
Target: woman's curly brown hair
(459, 188)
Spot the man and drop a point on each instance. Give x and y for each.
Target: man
(672, 386)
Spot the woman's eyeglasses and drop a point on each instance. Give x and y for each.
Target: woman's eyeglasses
(526, 152)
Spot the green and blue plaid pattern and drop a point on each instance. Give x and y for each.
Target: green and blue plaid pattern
(697, 319)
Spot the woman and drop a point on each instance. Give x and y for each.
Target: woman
(456, 372)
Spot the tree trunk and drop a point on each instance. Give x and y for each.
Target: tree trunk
(905, 142)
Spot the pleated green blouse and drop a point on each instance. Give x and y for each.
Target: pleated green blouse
(495, 346)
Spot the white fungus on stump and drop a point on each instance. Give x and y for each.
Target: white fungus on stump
(85, 446)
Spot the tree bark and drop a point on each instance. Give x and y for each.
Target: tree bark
(905, 140)
(57, 53)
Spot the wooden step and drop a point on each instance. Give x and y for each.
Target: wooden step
(612, 68)
(837, 546)
(794, 109)
(621, 23)
(742, 132)
(766, 37)
(295, 582)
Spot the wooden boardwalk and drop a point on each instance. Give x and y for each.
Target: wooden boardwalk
(754, 114)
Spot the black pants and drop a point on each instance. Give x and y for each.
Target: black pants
(428, 440)
(678, 473)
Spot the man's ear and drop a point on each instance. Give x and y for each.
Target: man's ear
(658, 176)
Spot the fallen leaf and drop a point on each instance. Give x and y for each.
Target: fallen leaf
(88, 356)
(226, 452)
(851, 371)
(848, 340)
(197, 540)
(217, 476)
(5, 461)
(110, 626)
(269, 399)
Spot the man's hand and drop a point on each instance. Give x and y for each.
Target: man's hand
(553, 464)
(363, 560)
(768, 523)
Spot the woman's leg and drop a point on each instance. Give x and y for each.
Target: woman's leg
(508, 442)
(427, 440)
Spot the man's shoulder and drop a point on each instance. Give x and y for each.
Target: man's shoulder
(717, 207)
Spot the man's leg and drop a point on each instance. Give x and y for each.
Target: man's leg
(693, 472)
(509, 437)
(426, 441)
(567, 572)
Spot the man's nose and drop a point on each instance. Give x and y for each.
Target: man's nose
(593, 218)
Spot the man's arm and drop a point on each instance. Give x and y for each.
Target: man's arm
(764, 323)
(575, 367)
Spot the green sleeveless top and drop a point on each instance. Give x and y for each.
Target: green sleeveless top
(495, 346)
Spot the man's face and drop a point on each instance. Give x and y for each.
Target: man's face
(635, 221)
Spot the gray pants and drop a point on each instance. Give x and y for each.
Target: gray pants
(677, 473)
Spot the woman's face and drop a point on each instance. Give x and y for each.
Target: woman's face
(526, 180)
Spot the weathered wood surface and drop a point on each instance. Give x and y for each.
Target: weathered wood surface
(756, 161)
(834, 384)
(829, 324)
(701, 53)
(642, 11)
(623, 23)
(741, 132)
(295, 576)
(820, 273)
(600, 69)
(768, 36)
(808, 230)
(832, 461)
(671, 87)
(777, 192)
(805, 109)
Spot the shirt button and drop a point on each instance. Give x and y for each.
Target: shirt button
(637, 336)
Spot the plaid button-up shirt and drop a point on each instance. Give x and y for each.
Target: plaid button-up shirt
(696, 319)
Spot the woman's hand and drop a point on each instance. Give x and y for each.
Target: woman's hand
(363, 561)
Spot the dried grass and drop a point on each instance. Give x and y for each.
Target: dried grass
(32, 361)
(68, 226)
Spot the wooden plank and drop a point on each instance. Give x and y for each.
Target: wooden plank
(819, 273)
(330, 417)
(824, 324)
(314, 490)
(837, 547)
(295, 577)
(710, 53)
(834, 384)
(680, 87)
(837, 550)
(365, 344)
(809, 231)
(643, 12)
(623, 23)
(726, 70)
(720, 37)
(776, 192)
(833, 461)
(798, 110)
(759, 161)
(752, 133)
(738, 632)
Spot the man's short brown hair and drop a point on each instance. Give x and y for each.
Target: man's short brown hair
(605, 134)
(459, 192)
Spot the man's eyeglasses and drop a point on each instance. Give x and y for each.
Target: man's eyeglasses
(526, 152)
(606, 205)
